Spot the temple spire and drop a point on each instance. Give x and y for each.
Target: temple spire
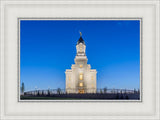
(80, 39)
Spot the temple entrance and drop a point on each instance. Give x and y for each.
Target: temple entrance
(81, 91)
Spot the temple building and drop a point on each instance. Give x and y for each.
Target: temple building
(81, 78)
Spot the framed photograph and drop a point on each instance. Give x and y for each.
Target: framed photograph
(49, 57)
(79, 60)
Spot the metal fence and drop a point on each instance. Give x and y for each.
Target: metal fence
(63, 91)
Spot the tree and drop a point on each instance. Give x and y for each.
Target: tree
(59, 90)
(38, 94)
(121, 91)
(22, 88)
(125, 91)
(49, 92)
(105, 90)
(138, 91)
(42, 93)
(101, 91)
(135, 90)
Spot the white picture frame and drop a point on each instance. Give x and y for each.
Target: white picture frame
(147, 108)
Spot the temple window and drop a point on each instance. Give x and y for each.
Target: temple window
(80, 49)
(81, 76)
(81, 84)
(81, 66)
(92, 78)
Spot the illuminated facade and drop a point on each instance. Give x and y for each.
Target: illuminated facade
(81, 78)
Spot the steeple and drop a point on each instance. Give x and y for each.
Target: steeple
(81, 39)
(81, 47)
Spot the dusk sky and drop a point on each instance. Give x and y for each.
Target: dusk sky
(48, 48)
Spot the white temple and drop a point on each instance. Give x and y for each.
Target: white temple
(81, 78)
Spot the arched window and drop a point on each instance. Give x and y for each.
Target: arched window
(69, 77)
(80, 66)
(81, 84)
(92, 78)
(81, 76)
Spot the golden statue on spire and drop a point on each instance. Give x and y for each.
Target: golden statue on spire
(80, 34)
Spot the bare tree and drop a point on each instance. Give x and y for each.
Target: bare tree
(49, 92)
(22, 88)
(101, 91)
(135, 90)
(105, 90)
(59, 90)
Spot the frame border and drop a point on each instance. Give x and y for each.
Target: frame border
(153, 116)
